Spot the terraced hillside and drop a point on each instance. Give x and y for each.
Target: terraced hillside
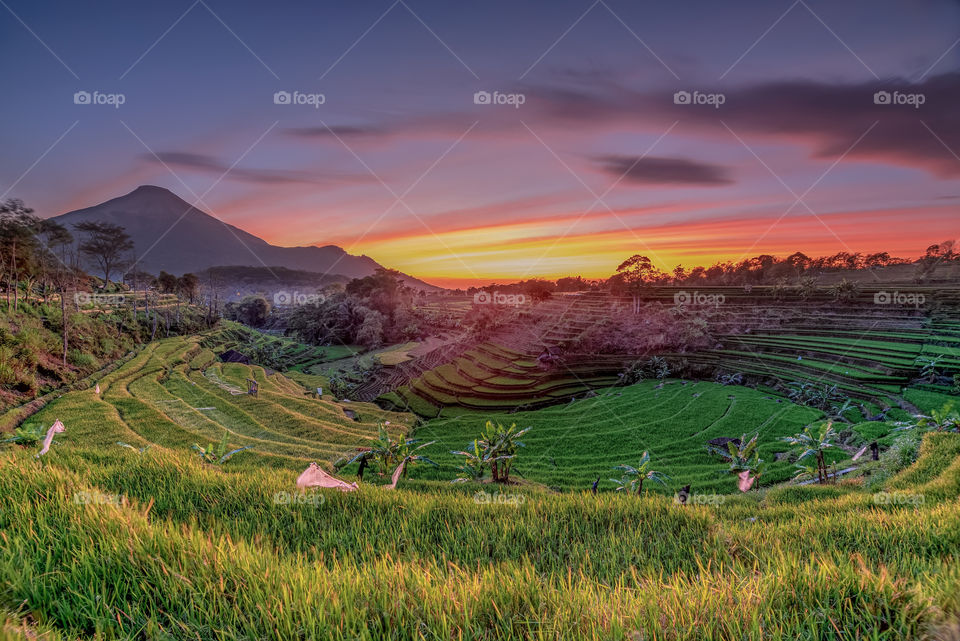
(493, 377)
(279, 352)
(175, 393)
(571, 445)
(102, 542)
(506, 372)
(869, 350)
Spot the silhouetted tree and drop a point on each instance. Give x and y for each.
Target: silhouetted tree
(189, 285)
(18, 226)
(166, 283)
(253, 310)
(104, 243)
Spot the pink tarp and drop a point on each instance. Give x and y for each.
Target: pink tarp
(314, 476)
(56, 428)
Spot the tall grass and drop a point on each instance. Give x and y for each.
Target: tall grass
(168, 548)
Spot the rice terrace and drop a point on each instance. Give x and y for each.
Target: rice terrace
(458, 321)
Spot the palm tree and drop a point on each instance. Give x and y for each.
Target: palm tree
(814, 441)
(633, 477)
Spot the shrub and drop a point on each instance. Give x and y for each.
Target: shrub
(29, 340)
(82, 359)
(107, 344)
(639, 371)
(7, 374)
(901, 454)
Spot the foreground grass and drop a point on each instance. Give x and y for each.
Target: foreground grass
(111, 544)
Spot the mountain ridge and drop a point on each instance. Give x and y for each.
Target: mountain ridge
(171, 235)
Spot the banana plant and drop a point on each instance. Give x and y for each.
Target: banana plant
(389, 454)
(496, 450)
(813, 441)
(407, 455)
(633, 477)
(218, 454)
(502, 445)
(741, 454)
(475, 463)
(743, 460)
(27, 435)
(944, 419)
(929, 368)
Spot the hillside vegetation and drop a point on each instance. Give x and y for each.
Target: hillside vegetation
(175, 394)
(32, 359)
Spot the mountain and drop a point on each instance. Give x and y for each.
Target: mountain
(171, 235)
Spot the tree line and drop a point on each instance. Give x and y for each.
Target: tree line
(372, 311)
(767, 269)
(764, 269)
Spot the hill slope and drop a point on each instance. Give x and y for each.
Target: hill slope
(173, 236)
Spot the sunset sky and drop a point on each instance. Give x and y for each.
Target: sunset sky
(598, 163)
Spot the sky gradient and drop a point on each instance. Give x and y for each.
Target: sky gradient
(598, 163)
